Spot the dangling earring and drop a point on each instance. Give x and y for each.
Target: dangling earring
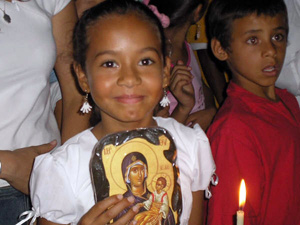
(198, 31)
(86, 107)
(165, 100)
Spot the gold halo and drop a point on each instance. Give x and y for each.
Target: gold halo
(117, 159)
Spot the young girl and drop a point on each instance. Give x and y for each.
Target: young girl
(120, 61)
(190, 100)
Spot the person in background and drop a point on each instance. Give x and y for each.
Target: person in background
(35, 37)
(289, 77)
(191, 101)
(255, 134)
(213, 74)
(82, 5)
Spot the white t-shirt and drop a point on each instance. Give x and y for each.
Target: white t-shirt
(61, 188)
(289, 77)
(27, 54)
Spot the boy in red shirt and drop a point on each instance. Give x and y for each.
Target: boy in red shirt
(256, 133)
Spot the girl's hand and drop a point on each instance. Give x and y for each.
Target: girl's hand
(181, 86)
(104, 211)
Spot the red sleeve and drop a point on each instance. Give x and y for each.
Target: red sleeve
(236, 158)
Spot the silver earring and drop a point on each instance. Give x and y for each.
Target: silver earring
(165, 100)
(198, 32)
(86, 107)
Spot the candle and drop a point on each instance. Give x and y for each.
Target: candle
(242, 200)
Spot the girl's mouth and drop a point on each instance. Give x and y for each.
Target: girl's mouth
(129, 99)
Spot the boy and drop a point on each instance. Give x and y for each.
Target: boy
(256, 133)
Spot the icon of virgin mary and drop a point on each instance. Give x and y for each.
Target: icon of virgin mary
(135, 170)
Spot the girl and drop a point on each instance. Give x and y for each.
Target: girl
(190, 101)
(119, 51)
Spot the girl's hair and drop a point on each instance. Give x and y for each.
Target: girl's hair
(179, 11)
(222, 13)
(103, 10)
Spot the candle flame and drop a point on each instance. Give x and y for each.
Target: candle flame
(242, 197)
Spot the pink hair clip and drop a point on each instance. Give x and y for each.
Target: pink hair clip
(164, 19)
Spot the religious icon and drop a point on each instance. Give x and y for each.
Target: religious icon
(139, 163)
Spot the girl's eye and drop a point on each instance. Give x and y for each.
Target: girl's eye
(109, 64)
(278, 37)
(145, 62)
(252, 41)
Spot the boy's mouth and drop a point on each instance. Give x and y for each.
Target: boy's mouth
(271, 70)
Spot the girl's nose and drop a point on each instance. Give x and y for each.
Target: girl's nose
(129, 77)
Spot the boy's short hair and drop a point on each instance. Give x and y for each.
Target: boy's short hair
(222, 13)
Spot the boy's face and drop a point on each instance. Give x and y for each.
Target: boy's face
(257, 51)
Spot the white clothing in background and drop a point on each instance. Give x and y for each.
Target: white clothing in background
(27, 54)
(289, 77)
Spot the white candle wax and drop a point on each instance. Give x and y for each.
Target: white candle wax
(240, 217)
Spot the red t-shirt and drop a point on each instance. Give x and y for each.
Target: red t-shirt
(258, 140)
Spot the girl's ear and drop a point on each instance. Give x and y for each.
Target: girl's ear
(218, 50)
(166, 72)
(197, 16)
(81, 77)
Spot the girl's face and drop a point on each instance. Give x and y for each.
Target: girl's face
(125, 73)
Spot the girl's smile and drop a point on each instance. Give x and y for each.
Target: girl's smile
(130, 99)
(126, 75)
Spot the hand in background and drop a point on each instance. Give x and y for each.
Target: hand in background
(161, 111)
(181, 85)
(203, 118)
(104, 211)
(17, 165)
(182, 88)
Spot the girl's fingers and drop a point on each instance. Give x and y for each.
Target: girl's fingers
(97, 210)
(101, 206)
(129, 216)
(178, 78)
(113, 211)
(180, 86)
(177, 72)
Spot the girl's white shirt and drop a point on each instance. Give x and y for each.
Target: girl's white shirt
(61, 188)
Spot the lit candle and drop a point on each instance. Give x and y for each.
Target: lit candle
(242, 200)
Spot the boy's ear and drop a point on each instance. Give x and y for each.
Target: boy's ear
(81, 77)
(218, 51)
(166, 72)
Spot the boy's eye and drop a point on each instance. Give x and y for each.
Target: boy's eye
(145, 62)
(109, 64)
(252, 40)
(278, 37)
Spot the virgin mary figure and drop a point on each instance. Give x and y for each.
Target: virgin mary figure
(135, 173)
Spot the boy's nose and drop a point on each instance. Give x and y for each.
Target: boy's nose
(269, 49)
(129, 77)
